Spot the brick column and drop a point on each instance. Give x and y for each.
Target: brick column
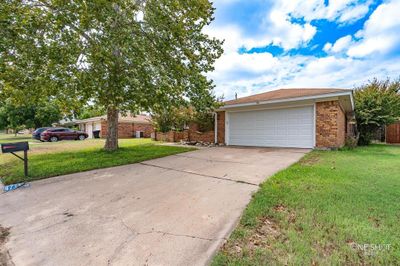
(330, 125)
(221, 127)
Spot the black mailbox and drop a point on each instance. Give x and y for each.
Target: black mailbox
(17, 146)
(14, 147)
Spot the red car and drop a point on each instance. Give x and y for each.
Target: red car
(59, 133)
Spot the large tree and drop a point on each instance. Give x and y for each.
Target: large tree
(124, 55)
(377, 104)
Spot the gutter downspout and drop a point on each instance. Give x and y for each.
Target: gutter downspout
(215, 128)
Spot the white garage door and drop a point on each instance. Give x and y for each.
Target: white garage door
(292, 127)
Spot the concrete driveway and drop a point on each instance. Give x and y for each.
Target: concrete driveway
(175, 210)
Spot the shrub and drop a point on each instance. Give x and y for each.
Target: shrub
(179, 118)
(205, 121)
(377, 103)
(172, 119)
(351, 142)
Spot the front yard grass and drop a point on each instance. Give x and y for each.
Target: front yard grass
(9, 138)
(66, 157)
(331, 208)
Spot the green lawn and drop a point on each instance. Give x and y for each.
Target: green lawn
(331, 208)
(65, 157)
(8, 138)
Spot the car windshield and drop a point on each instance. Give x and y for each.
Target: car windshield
(39, 130)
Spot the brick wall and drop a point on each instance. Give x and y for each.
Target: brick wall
(208, 136)
(194, 134)
(147, 129)
(104, 129)
(182, 135)
(166, 136)
(186, 135)
(221, 127)
(172, 136)
(127, 130)
(331, 125)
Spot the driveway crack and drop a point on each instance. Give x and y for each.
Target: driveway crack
(166, 233)
(203, 175)
(210, 160)
(181, 235)
(133, 234)
(120, 247)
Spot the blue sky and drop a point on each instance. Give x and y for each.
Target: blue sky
(296, 43)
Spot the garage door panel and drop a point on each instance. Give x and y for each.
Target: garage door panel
(292, 127)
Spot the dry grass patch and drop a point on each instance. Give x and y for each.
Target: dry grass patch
(5, 259)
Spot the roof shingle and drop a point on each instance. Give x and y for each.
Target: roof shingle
(129, 118)
(283, 94)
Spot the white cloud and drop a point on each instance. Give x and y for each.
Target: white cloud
(280, 29)
(230, 33)
(340, 45)
(354, 13)
(282, 32)
(307, 72)
(254, 63)
(381, 32)
(252, 73)
(344, 11)
(377, 44)
(327, 47)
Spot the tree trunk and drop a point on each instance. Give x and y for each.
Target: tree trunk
(112, 129)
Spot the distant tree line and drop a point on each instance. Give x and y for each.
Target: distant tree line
(32, 115)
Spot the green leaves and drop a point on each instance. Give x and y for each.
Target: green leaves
(132, 55)
(29, 115)
(179, 118)
(376, 104)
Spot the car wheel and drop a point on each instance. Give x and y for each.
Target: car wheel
(53, 139)
(81, 137)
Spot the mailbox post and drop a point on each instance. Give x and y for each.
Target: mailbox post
(15, 147)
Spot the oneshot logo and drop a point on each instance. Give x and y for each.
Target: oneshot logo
(371, 249)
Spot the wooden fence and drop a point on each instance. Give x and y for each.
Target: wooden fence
(393, 133)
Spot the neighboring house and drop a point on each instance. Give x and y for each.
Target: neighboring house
(129, 126)
(393, 133)
(301, 118)
(65, 122)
